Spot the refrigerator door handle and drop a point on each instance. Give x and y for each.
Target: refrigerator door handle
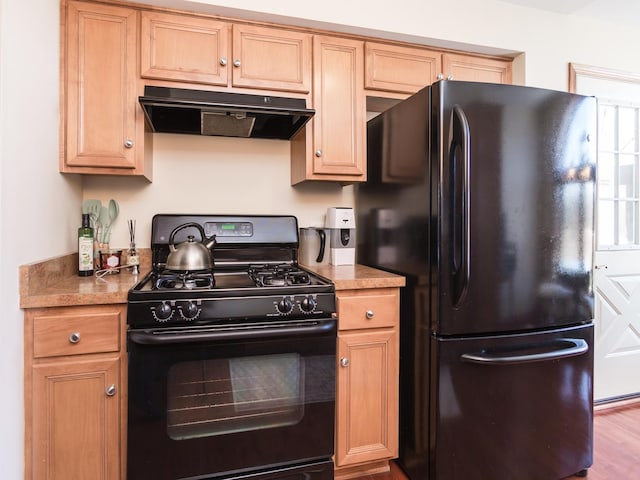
(546, 352)
(459, 165)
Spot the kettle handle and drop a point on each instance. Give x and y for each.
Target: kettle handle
(323, 241)
(185, 225)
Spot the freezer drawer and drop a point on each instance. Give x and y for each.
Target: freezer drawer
(512, 407)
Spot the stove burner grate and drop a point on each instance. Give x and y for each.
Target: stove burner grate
(191, 281)
(278, 275)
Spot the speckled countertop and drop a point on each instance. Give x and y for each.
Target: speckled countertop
(349, 277)
(54, 282)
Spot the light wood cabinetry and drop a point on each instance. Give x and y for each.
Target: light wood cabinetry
(183, 48)
(271, 59)
(206, 51)
(111, 51)
(402, 69)
(476, 69)
(334, 146)
(102, 124)
(74, 392)
(367, 381)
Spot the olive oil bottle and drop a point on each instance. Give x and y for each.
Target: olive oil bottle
(85, 247)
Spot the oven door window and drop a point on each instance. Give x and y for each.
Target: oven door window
(221, 396)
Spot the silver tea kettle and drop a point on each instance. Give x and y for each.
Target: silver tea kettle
(190, 255)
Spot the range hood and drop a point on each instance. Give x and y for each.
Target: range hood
(199, 112)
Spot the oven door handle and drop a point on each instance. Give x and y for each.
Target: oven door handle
(172, 336)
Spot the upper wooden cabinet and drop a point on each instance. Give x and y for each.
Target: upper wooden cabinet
(192, 49)
(183, 48)
(476, 69)
(104, 124)
(405, 70)
(271, 58)
(336, 148)
(400, 69)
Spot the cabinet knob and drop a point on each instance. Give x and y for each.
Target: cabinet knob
(450, 77)
(74, 337)
(440, 76)
(344, 362)
(223, 61)
(128, 143)
(318, 153)
(236, 63)
(369, 314)
(601, 267)
(110, 390)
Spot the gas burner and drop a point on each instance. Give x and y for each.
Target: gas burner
(278, 275)
(169, 280)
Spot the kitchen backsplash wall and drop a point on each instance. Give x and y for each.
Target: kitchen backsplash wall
(194, 174)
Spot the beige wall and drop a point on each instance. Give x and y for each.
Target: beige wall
(40, 208)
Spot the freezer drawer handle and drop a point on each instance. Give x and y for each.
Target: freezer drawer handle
(576, 346)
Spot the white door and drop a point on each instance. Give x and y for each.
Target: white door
(617, 256)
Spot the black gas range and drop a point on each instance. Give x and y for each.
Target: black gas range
(255, 276)
(231, 370)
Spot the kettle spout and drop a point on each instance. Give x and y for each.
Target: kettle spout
(210, 242)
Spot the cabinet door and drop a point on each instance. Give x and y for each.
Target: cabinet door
(184, 48)
(400, 69)
(271, 58)
(103, 133)
(76, 418)
(339, 123)
(367, 396)
(476, 69)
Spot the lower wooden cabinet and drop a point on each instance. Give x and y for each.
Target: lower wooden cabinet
(367, 381)
(74, 392)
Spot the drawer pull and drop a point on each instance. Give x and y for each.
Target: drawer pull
(74, 337)
(111, 390)
(344, 362)
(369, 314)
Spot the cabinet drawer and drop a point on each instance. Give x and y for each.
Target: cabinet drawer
(74, 334)
(362, 309)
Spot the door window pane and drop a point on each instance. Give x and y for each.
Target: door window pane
(627, 185)
(618, 175)
(627, 129)
(627, 215)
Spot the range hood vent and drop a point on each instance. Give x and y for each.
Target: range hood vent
(199, 112)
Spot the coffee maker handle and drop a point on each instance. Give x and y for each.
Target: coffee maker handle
(323, 241)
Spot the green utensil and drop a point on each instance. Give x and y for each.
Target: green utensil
(114, 210)
(92, 207)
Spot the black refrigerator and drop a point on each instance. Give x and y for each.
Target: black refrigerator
(482, 196)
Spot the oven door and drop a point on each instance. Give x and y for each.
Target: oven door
(231, 401)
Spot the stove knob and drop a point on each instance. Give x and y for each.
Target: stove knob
(308, 305)
(284, 306)
(163, 312)
(189, 311)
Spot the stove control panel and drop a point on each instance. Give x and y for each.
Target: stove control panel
(305, 304)
(185, 311)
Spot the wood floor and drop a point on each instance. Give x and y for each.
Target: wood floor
(616, 446)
